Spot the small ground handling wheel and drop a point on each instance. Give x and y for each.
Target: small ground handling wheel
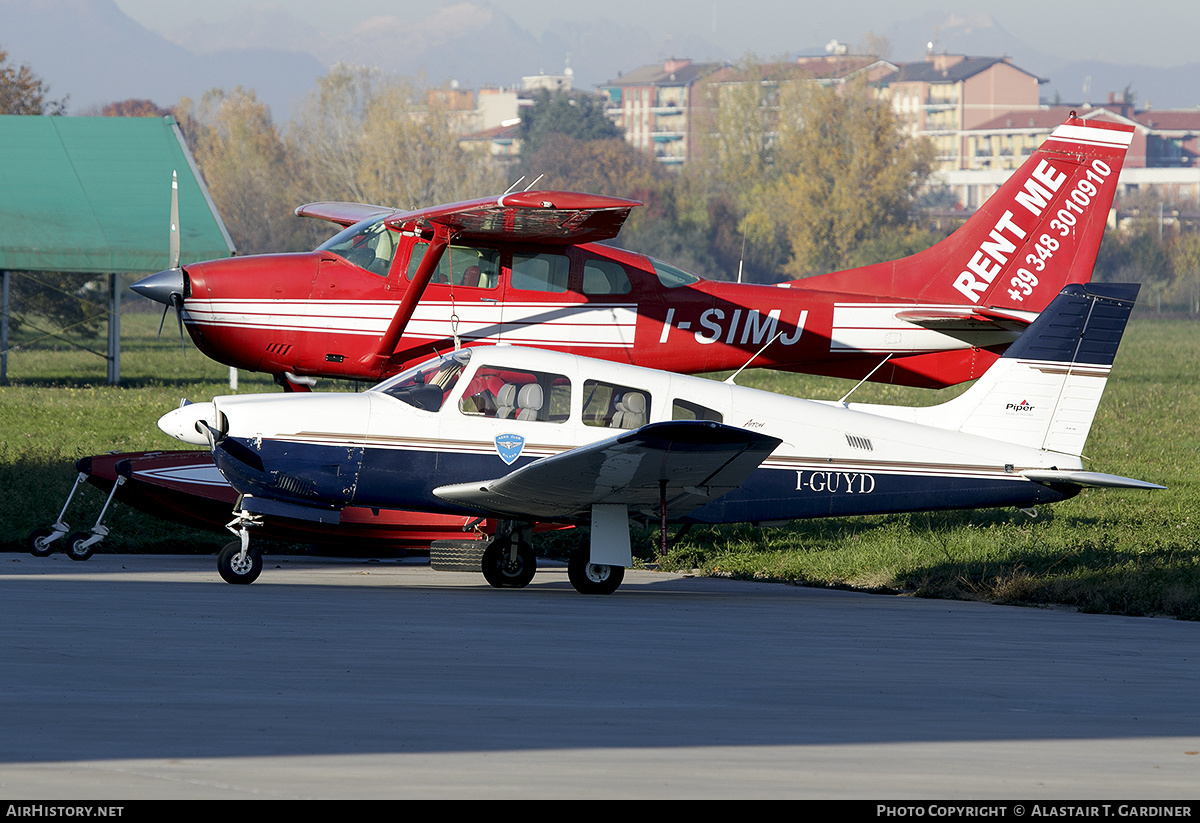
(76, 550)
(37, 544)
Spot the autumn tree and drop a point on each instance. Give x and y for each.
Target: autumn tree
(575, 114)
(246, 168)
(844, 174)
(23, 92)
(365, 137)
(133, 107)
(1184, 252)
(736, 133)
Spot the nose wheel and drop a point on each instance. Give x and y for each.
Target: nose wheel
(238, 567)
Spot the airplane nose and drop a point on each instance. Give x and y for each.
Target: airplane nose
(160, 286)
(183, 422)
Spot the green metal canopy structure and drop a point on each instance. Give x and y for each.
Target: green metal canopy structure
(93, 195)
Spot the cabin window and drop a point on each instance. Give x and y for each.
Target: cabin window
(506, 394)
(427, 385)
(540, 272)
(370, 245)
(614, 407)
(671, 277)
(605, 277)
(683, 410)
(460, 266)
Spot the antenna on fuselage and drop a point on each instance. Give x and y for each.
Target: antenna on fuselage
(516, 183)
(729, 379)
(865, 379)
(534, 183)
(742, 259)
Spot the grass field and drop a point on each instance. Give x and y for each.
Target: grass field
(1125, 552)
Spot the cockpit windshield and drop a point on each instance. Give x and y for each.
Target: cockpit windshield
(370, 245)
(427, 385)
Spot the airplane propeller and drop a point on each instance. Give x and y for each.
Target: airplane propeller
(168, 286)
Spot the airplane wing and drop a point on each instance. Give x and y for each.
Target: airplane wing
(344, 214)
(534, 216)
(558, 217)
(699, 461)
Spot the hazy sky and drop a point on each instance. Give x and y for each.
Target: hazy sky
(1148, 32)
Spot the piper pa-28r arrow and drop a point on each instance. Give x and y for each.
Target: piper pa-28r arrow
(526, 268)
(527, 435)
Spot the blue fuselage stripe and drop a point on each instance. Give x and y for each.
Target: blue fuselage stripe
(398, 478)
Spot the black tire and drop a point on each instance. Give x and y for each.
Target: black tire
(37, 545)
(457, 555)
(501, 571)
(243, 573)
(592, 578)
(75, 548)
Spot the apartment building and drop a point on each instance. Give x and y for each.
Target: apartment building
(655, 105)
(946, 95)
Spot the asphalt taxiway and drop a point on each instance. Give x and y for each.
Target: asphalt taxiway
(129, 677)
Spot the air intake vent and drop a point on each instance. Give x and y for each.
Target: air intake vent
(295, 485)
(859, 442)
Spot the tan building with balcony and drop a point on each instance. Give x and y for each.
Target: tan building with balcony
(947, 95)
(1163, 157)
(654, 105)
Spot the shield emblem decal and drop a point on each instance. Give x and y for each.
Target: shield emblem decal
(509, 447)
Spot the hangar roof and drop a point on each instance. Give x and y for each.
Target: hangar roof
(93, 194)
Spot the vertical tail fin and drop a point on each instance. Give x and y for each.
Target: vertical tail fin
(1043, 393)
(1040, 231)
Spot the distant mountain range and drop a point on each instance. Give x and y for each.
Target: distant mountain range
(91, 52)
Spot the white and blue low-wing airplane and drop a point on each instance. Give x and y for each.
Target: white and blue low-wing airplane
(527, 435)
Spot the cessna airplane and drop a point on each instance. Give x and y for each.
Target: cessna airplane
(526, 268)
(525, 435)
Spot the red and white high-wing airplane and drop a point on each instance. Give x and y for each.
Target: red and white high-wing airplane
(526, 268)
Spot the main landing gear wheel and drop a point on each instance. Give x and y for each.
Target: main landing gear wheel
(592, 578)
(76, 548)
(506, 569)
(38, 546)
(237, 569)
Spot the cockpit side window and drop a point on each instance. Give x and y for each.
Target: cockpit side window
(370, 245)
(460, 266)
(615, 407)
(517, 395)
(540, 272)
(685, 410)
(427, 385)
(605, 277)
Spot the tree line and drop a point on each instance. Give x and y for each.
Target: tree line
(787, 179)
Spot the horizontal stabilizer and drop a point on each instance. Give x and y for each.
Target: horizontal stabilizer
(698, 462)
(966, 318)
(1097, 479)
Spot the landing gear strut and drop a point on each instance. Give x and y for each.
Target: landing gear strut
(79, 546)
(240, 563)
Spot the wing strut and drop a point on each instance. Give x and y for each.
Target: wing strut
(408, 303)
